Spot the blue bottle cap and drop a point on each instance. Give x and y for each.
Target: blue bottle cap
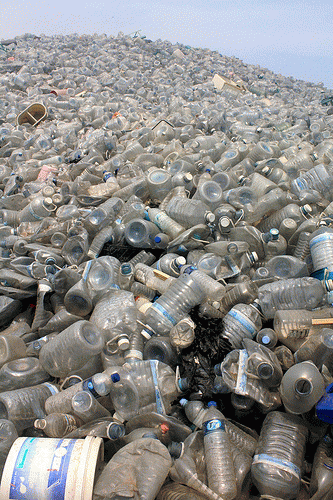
(183, 402)
(115, 377)
(157, 239)
(265, 339)
(211, 403)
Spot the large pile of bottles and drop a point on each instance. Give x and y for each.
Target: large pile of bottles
(166, 270)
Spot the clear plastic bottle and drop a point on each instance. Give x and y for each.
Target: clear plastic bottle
(299, 293)
(170, 263)
(103, 215)
(220, 467)
(290, 211)
(267, 337)
(317, 348)
(184, 472)
(212, 289)
(164, 222)
(37, 209)
(11, 347)
(321, 485)
(319, 178)
(23, 372)
(294, 326)
(149, 462)
(71, 349)
(277, 466)
(321, 248)
(188, 212)
(244, 293)
(141, 233)
(23, 406)
(116, 316)
(86, 407)
(263, 363)
(210, 193)
(57, 425)
(286, 267)
(301, 387)
(242, 321)
(174, 304)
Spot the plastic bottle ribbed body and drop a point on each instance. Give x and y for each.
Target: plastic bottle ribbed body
(318, 178)
(174, 304)
(298, 293)
(23, 406)
(187, 212)
(277, 466)
(321, 248)
(71, 349)
(242, 321)
(242, 292)
(219, 463)
(302, 249)
(291, 211)
(175, 491)
(322, 471)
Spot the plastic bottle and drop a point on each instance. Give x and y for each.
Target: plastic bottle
(103, 215)
(263, 363)
(317, 348)
(164, 222)
(71, 349)
(321, 247)
(322, 476)
(23, 372)
(174, 304)
(299, 293)
(188, 212)
(142, 466)
(116, 316)
(267, 337)
(277, 466)
(242, 321)
(141, 233)
(184, 472)
(23, 406)
(220, 468)
(301, 387)
(294, 326)
(291, 211)
(57, 425)
(87, 408)
(11, 347)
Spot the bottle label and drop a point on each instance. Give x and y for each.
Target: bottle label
(158, 396)
(165, 313)
(241, 374)
(213, 425)
(278, 463)
(320, 238)
(243, 320)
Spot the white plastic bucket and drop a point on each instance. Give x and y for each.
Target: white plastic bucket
(51, 469)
